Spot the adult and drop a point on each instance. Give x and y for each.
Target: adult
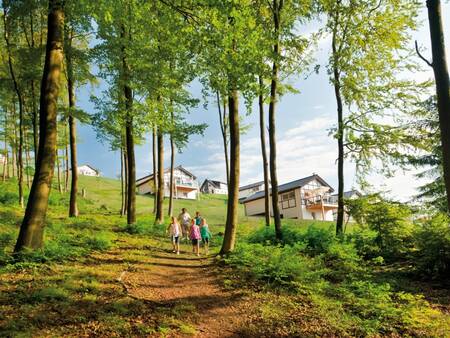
(185, 221)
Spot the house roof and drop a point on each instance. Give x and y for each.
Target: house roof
(89, 166)
(249, 186)
(147, 178)
(290, 186)
(350, 193)
(216, 184)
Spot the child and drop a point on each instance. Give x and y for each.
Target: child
(175, 232)
(198, 218)
(194, 235)
(185, 219)
(206, 235)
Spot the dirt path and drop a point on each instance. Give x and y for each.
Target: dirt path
(171, 280)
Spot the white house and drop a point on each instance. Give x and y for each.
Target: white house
(185, 184)
(306, 198)
(250, 189)
(87, 170)
(214, 187)
(351, 194)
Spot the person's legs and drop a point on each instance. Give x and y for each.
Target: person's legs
(206, 245)
(177, 244)
(198, 247)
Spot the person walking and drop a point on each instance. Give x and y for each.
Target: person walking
(174, 230)
(185, 220)
(206, 235)
(194, 235)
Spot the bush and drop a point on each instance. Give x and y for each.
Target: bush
(364, 241)
(432, 240)
(8, 198)
(343, 262)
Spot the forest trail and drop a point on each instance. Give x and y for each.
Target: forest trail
(191, 284)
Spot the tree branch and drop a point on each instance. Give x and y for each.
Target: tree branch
(421, 56)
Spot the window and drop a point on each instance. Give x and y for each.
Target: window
(288, 200)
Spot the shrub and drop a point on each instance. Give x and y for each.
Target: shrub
(364, 240)
(99, 241)
(432, 240)
(8, 198)
(343, 262)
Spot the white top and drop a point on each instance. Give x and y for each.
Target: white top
(175, 229)
(184, 218)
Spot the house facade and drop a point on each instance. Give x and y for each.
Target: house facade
(306, 198)
(214, 187)
(250, 189)
(87, 170)
(185, 184)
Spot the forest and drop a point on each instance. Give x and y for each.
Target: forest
(97, 261)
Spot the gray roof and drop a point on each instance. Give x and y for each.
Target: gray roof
(350, 193)
(290, 186)
(216, 184)
(248, 186)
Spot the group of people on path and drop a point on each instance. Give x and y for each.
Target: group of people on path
(185, 227)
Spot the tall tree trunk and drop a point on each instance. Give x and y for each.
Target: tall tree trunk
(32, 227)
(262, 131)
(66, 162)
(233, 187)
(125, 164)
(159, 217)
(27, 159)
(155, 169)
(129, 137)
(340, 132)
(5, 163)
(58, 170)
(277, 6)
(122, 190)
(20, 99)
(223, 128)
(172, 164)
(441, 77)
(73, 206)
(34, 121)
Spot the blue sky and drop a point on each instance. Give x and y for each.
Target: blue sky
(303, 121)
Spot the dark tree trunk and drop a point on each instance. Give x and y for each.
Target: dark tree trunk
(125, 164)
(172, 164)
(27, 158)
(58, 170)
(223, 128)
(66, 162)
(32, 227)
(277, 6)
(20, 99)
(159, 217)
(155, 169)
(233, 187)
(34, 121)
(73, 207)
(5, 163)
(122, 186)
(441, 77)
(262, 131)
(129, 137)
(340, 133)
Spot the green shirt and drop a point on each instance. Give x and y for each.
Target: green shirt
(204, 231)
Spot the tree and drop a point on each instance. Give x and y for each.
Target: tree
(32, 227)
(369, 40)
(262, 132)
(441, 76)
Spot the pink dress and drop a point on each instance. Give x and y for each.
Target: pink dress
(194, 233)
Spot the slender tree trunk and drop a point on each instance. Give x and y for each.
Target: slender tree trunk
(277, 6)
(5, 163)
(129, 137)
(20, 99)
(155, 169)
(14, 145)
(233, 188)
(172, 164)
(58, 170)
(122, 191)
(223, 128)
(125, 163)
(441, 77)
(340, 134)
(73, 206)
(32, 227)
(159, 218)
(262, 131)
(34, 121)
(27, 159)
(66, 162)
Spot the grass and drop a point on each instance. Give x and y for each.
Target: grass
(72, 284)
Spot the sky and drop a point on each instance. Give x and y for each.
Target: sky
(304, 145)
